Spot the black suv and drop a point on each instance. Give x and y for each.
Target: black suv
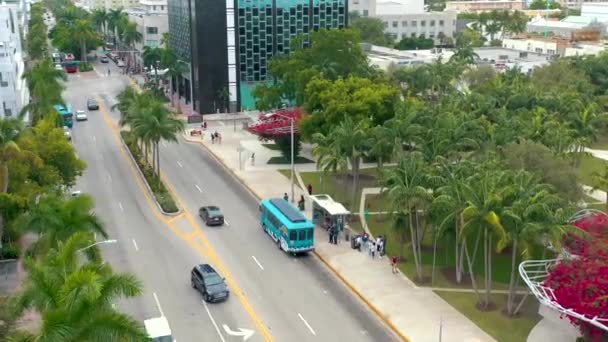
(212, 215)
(92, 104)
(209, 283)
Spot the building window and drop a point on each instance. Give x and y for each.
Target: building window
(404, 23)
(432, 23)
(413, 35)
(423, 36)
(385, 24)
(3, 83)
(152, 30)
(414, 23)
(423, 23)
(365, 13)
(152, 42)
(395, 24)
(162, 7)
(7, 111)
(440, 22)
(154, 7)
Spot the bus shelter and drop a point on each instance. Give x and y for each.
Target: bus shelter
(327, 212)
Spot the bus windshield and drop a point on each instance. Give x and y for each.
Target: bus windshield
(66, 114)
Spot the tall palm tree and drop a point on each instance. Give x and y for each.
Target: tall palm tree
(406, 188)
(130, 35)
(175, 72)
(114, 20)
(55, 218)
(585, 126)
(329, 158)
(152, 58)
(9, 131)
(83, 32)
(350, 138)
(126, 98)
(45, 84)
(156, 123)
(484, 195)
(100, 18)
(76, 300)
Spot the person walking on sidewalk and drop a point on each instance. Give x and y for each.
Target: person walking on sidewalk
(373, 249)
(394, 264)
(381, 247)
(365, 238)
(252, 159)
(309, 188)
(286, 197)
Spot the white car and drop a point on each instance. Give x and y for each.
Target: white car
(58, 67)
(67, 133)
(81, 115)
(120, 63)
(76, 193)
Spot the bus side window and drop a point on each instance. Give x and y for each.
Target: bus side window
(293, 235)
(310, 233)
(302, 234)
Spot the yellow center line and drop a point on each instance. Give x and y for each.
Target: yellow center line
(175, 218)
(207, 250)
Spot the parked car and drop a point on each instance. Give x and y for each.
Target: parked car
(92, 104)
(104, 59)
(212, 215)
(67, 133)
(81, 115)
(58, 67)
(209, 283)
(120, 63)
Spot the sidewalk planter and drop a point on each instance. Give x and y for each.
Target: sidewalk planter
(163, 198)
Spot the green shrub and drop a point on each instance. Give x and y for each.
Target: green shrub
(10, 251)
(162, 196)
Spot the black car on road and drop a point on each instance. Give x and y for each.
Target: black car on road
(209, 283)
(212, 215)
(92, 104)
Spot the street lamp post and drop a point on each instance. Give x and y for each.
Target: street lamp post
(97, 243)
(293, 172)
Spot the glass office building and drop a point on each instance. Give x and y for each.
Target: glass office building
(232, 43)
(180, 41)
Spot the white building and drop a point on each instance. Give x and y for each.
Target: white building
(152, 22)
(552, 46)
(407, 18)
(13, 89)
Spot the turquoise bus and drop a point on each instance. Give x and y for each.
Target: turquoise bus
(287, 226)
(66, 113)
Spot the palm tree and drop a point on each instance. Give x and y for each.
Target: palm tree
(9, 131)
(176, 70)
(76, 301)
(45, 85)
(380, 145)
(164, 40)
(156, 123)
(585, 126)
(482, 215)
(114, 20)
(126, 99)
(600, 181)
(55, 218)
(406, 187)
(130, 36)
(151, 58)
(100, 18)
(350, 138)
(83, 32)
(329, 157)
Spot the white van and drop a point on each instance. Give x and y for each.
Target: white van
(158, 329)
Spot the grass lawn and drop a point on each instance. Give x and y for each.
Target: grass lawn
(589, 165)
(381, 225)
(496, 323)
(334, 186)
(282, 160)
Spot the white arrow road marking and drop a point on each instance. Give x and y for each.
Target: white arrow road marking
(199, 190)
(307, 325)
(257, 262)
(135, 245)
(158, 304)
(219, 332)
(180, 164)
(246, 333)
(120, 206)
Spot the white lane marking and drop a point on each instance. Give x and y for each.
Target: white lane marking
(163, 144)
(120, 206)
(226, 223)
(135, 245)
(179, 164)
(219, 332)
(257, 262)
(109, 176)
(222, 123)
(199, 190)
(94, 139)
(101, 156)
(158, 304)
(307, 325)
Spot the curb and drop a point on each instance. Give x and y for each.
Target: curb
(323, 260)
(179, 210)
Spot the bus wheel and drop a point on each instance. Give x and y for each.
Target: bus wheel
(279, 244)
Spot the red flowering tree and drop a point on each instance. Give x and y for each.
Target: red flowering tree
(581, 283)
(276, 126)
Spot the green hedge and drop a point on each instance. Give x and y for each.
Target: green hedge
(163, 197)
(85, 67)
(9, 251)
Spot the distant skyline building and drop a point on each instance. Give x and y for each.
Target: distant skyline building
(230, 44)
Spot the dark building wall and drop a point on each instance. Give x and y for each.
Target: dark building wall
(209, 51)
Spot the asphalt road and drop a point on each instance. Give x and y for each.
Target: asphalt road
(280, 297)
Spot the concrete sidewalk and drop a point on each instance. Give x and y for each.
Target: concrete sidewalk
(415, 314)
